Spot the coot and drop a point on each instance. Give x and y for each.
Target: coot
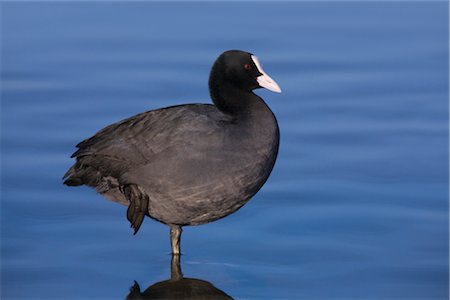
(187, 164)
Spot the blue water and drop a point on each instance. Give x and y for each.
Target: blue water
(356, 207)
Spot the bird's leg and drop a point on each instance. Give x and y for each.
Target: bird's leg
(175, 236)
(175, 268)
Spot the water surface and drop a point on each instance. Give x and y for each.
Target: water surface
(356, 207)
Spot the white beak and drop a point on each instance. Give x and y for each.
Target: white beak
(264, 80)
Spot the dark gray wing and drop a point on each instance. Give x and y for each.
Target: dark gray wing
(133, 142)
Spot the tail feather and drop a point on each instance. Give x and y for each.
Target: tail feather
(70, 179)
(73, 182)
(79, 175)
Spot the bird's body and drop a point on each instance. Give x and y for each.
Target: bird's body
(183, 165)
(195, 163)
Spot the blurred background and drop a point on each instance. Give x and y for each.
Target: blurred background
(357, 204)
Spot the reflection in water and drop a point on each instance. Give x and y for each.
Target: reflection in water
(177, 287)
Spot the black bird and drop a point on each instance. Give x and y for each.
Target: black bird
(188, 164)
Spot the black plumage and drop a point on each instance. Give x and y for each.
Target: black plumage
(188, 164)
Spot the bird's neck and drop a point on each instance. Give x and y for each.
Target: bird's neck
(234, 101)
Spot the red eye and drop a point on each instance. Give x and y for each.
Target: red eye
(248, 66)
